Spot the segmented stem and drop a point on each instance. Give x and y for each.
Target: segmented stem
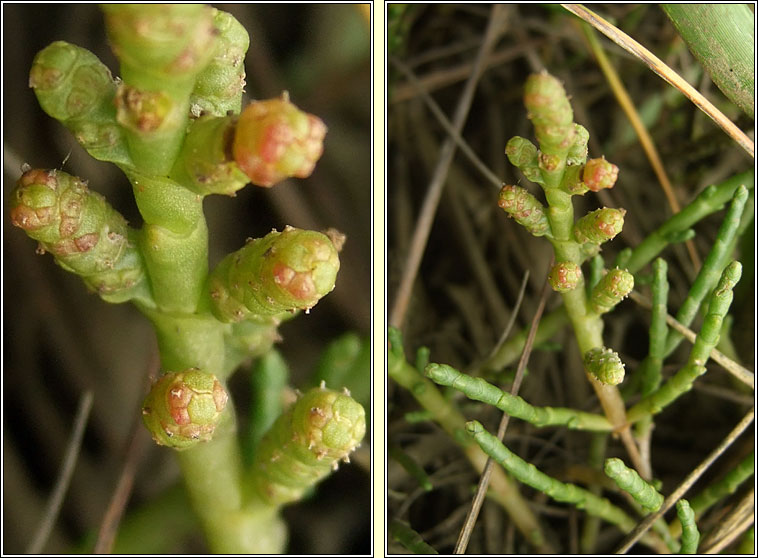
(706, 339)
(628, 480)
(562, 492)
(480, 390)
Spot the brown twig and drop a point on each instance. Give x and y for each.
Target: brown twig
(64, 477)
(106, 536)
(434, 191)
(646, 523)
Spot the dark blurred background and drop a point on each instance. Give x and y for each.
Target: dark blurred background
(60, 340)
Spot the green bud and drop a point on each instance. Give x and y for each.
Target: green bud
(610, 290)
(276, 140)
(525, 209)
(599, 226)
(546, 100)
(218, 89)
(521, 152)
(205, 164)
(74, 87)
(82, 231)
(600, 174)
(283, 271)
(184, 408)
(160, 42)
(577, 154)
(565, 276)
(572, 182)
(142, 112)
(306, 443)
(604, 365)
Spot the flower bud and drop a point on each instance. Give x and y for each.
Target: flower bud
(160, 42)
(306, 444)
(284, 271)
(565, 276)
(546, 100)
(604, 365)
(599, 174)
(600, 225)
(610, 290)
(183, 408)
(521, 152)
(82, 231)
(276, 140)
(525, 209)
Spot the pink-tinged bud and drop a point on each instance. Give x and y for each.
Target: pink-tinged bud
(276, 140)
(546, 100)
(183, 408)
(565, 276)
(600, 174)
(600, 225)
(525, 209)
(281, 272)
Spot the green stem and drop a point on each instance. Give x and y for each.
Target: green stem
(712, 267)
(710, 200)
(706, 339)
(562, 492)
(690, 534)
(479, 390)
(450, 419)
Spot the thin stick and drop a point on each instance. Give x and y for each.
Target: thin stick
(669, 75)
(106, 536)
(434, 192)
(64, 477)
(634, 119)
(691, 479)
(481, 491)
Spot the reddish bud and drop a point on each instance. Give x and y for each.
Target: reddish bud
(276, 140)
(565, 276)
(599, 174)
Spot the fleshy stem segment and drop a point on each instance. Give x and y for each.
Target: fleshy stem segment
(480, 390)
(628, 480)
(450, 419)
(706, 339)
(712, 267)
(562, 492)
(690, 533)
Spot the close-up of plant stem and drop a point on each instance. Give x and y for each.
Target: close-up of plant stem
(161, 110)
(632, 198)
